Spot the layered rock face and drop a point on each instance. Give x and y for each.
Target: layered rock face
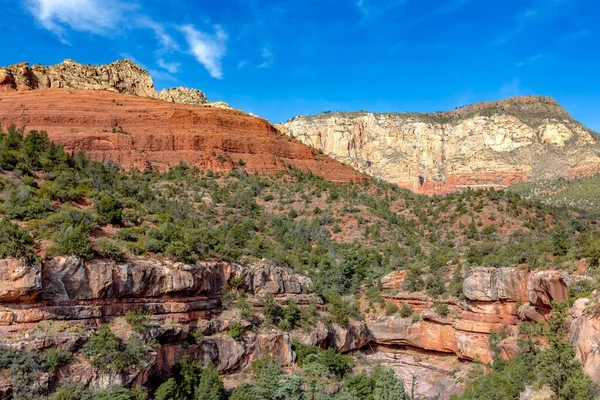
(133, 131)
(491, 144)
(426, 349)
(434, 347)
(47, 305)
(121, 76)
(67, 288)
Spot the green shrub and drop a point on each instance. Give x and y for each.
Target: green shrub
(14, 241)
(74, 241)
(110, 209)
(108, 353)
(110, 248)
(117, 393)
(72, 392)
(413, 282)
(236, 331)
(246, 309)
(138, 320)
(390, 309)
(406, 311)
(441, 308)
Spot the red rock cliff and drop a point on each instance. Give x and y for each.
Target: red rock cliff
(140, 132)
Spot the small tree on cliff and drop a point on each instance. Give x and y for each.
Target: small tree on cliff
(558, 367)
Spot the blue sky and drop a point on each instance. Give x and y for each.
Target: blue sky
(280, 58)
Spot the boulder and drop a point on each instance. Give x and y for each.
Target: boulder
(275, 345)
(354, 336)
(585, 337)
(393, 280)
(66, 278)
(266, 278)
(20, 281)
(426, 335)
(544, 287)
(494, 284)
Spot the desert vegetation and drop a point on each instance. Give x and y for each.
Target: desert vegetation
(345, 237)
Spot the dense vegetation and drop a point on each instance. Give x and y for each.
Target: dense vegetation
(553, 367)
(579, 193)
(344, 236)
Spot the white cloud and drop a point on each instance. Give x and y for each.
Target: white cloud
(166, 41)
(267, 57)
(95, 16)
(172, 67)
(101, 17)
(208, 49)
(529, 60)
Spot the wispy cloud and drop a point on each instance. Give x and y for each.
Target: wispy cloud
(529, 60)
(512, 88)
(453, 5)
(166, 41)
(208, 49)
(539, 12)
(267, 58)
(373, 8)
(100, 17)
(95, 16)
(172, 67)
(576, 35)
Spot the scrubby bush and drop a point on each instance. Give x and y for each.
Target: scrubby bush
(111, 249)
(390, 309)
(74, 241)
(108, 353)
(236, 331)
(14, 241)
(137, 319)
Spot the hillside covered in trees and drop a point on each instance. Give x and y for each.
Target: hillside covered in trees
(345, 237)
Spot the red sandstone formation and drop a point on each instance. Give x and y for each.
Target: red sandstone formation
(147, 133)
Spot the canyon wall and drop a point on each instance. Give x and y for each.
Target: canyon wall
(491, 144)
(53, 303)
(134, 131)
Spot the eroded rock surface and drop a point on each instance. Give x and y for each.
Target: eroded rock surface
(20, 280)
(493, 284)
(121, 76)
(133, 131)
(483, 145)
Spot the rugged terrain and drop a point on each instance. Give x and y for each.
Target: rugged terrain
(134, 131)
(234, 268)
(58, 303)
(239, 248)
(493, 144)
(121, 76)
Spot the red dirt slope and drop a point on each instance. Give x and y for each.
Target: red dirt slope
(139, 132)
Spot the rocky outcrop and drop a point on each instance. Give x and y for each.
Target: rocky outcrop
(491, 144)
(121, 76)
(497, 300)
(544, 287)
(493, 284)
(585, 336)
(353, 336)
(20, 281)
(69, 288)
(183, 95)
(133, 131)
